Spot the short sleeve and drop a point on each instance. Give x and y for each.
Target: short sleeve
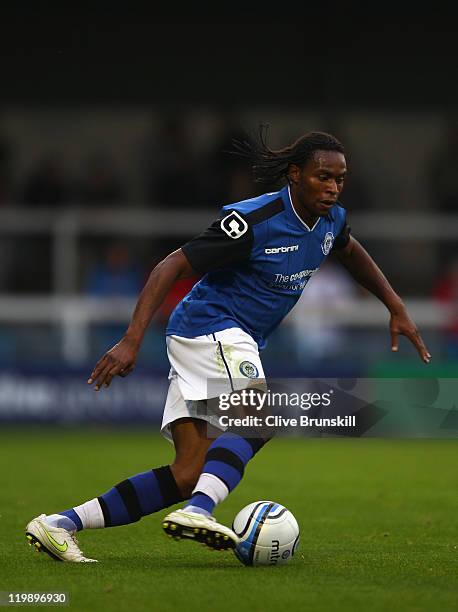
(229, 240)
(342, 238)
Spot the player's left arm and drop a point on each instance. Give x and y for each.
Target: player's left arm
(354, 257)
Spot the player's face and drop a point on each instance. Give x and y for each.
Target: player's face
(317, 185)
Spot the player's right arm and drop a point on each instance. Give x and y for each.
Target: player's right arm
(228, 240)
(120, 360)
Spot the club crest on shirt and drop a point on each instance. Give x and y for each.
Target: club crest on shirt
(233, 225)
(326, 245)
(249, 369)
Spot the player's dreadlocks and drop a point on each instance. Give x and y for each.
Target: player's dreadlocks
(271, 166)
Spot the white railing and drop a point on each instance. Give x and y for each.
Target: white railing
(74, 315)
(65, 228)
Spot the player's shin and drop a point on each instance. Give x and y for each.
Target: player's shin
(223, 470)
(127, 502)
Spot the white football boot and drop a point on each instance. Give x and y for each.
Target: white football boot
(58, 543)
(199, 527)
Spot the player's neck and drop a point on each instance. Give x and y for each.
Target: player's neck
(302, 212)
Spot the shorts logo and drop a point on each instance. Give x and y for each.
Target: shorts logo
(327, 243)
(233, 225)
(248, 369)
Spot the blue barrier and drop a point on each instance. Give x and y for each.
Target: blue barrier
(63, 396)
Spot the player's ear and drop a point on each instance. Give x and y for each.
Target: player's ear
(293, 174)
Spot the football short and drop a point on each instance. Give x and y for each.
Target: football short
(226, 360)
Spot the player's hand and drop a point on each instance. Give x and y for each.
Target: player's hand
(118, 361)
(402, 324)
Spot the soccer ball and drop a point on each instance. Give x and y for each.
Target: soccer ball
(268, 532)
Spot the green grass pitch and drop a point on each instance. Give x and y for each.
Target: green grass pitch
(377, 517)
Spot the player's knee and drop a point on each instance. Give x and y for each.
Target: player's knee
(186, 477)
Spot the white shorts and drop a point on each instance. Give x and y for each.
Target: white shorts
(230, 357)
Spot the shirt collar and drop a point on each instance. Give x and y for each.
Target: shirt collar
(286, 195)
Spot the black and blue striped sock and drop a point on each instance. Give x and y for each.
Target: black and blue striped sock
(125, 503)
(139, 496)
(223, 470)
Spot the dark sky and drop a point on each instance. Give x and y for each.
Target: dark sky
(114, 57)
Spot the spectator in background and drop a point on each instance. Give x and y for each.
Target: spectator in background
(445, 291)
(117, 275)
(226, 177)
(167, 156)
(356, 192)
(315, 334)
(8, 246)
(46, 184)
(177, 292)
(444, 170)
(102, 185)
(442, 184)
(5, 173)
